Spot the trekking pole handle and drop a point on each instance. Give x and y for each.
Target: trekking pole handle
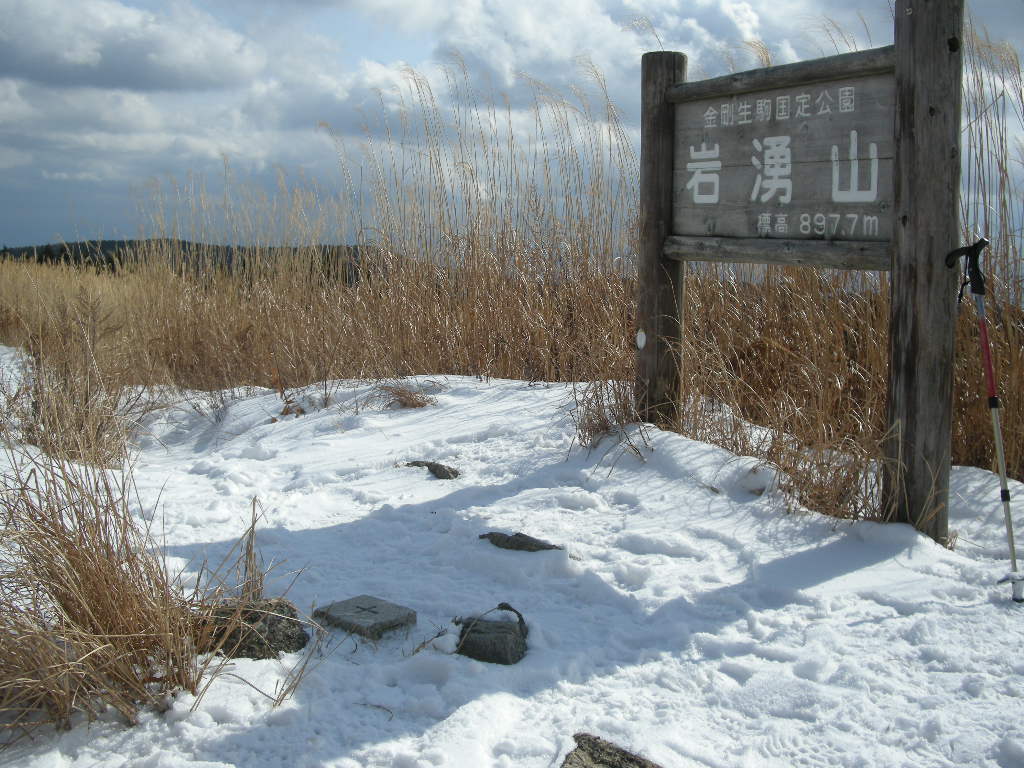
(973, 266)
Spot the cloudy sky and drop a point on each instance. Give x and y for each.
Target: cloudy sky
(99, 97)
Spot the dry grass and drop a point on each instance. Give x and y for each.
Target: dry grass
(606, 408)
(494, 249)
(400, 395)
(802, 355)
(992, 206)
(489, 246)
(484, 253)
(89, 619)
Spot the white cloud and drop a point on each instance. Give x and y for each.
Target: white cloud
(121, 90)
(13, 106)
(34, 108)
(417, 15)
(105, 43)
(744, 17)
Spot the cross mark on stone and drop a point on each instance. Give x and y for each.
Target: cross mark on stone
(366, 609)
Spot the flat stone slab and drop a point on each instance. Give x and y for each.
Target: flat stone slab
(366, 615)
(518, 541)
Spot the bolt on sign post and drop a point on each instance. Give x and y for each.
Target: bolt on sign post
(851, 162)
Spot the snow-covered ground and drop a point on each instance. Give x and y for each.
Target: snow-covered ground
(689, 619)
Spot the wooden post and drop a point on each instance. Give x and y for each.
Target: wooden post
(922, 320)
(657, 310)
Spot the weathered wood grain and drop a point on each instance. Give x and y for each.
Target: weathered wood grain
(838, 254)
(870, 62)
(922, 315)
(657, 390)
(812, 176)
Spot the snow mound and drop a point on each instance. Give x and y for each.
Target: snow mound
(690, 618)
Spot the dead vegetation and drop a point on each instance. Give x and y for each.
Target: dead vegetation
(90, 618)
(483, 251)
(399, 395)
(487, 257)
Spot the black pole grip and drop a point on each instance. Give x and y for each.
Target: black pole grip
(973, 266)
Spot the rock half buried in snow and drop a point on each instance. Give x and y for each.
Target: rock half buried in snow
(492, 640)
(595, 752)
(440, 471)
(258, 630)
(518, 541)
(366, 615)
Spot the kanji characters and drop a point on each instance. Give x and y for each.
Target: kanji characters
(774, 164)
(853, 193)
(704, 165)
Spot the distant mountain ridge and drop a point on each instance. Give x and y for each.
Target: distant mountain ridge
(91, 251)
(337, 260)
(77, 252)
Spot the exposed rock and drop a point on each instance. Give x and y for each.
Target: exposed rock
(366, 615)
(267, 628)
(518, 541)
(595, 752)
(491, 640)
(440, 471)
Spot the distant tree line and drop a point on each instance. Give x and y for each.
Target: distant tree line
(333, 262)
(101, 254)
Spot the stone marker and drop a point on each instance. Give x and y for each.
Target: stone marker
(366, 615)
(440, 471)
(518, 541)
(595, 752)
(491, 640)
(257, 630)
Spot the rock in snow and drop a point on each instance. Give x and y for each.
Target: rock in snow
(493, 640)
(697, 628)
(269, 627)
(595, 752)
(518, 541)
(440, 471)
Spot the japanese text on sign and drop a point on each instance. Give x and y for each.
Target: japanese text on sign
(811, 162)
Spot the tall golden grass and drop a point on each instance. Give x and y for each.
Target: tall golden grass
(992, 204)
(803, 354)
(90, 619)
(495, 246)
(491, 248)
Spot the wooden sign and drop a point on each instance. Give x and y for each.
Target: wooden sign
(811, 161)
(802, 155)
(851, 161)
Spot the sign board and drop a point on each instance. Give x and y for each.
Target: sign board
(814, 163)
(806, 162)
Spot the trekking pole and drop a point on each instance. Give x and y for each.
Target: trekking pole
(976, 280)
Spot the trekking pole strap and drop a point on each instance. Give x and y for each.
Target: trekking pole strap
(972, 266)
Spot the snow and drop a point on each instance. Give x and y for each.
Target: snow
(690, 618)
